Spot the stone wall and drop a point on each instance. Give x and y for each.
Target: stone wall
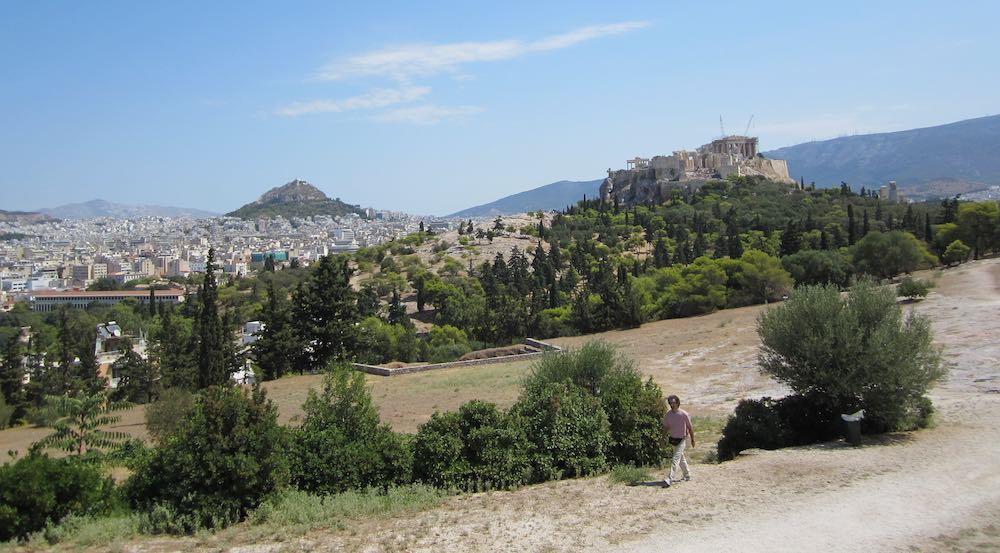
(386, 371)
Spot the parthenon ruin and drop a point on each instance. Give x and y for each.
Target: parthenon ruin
(729, 155)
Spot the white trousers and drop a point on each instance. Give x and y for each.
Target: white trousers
(679, 460)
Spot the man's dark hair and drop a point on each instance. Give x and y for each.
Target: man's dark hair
(672, 397)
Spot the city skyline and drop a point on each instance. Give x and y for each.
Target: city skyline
(434, 109)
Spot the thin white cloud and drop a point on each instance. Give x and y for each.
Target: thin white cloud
(427, 114)
(421, 60)
(373, 99)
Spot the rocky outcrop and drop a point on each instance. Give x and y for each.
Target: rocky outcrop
(295, 199)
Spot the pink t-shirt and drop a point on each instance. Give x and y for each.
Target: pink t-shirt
(678, 423)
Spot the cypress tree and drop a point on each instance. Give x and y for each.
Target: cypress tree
(397, 311)
(928, 233)
(213, 367)
(12, 375)
(865, 227)
(152, 303)
(852, 225)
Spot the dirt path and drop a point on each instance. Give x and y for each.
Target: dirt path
(934, 490)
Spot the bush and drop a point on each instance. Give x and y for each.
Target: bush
(912, 289)
(568, 430)
(754, 424)
(341, 445)
(635, 410)
(956, 253)
(888, 254)
(226, 457)
(818, 267)
(37, 491)
(165, 416)
(852, 352)
(477, 448)
(773, 424)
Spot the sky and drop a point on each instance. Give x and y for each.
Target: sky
(432, 107)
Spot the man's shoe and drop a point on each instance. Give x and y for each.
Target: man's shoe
(687, 478)
(667, 482)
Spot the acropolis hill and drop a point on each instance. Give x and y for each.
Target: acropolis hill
(646, 179)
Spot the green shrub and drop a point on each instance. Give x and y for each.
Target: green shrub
(446, 353)
(568, 430)
(773, 424)
(6, 412)
(851, 352)
(341, 444)
(956, 253)
(754, 424)
(911, 288)
(635, 410)
(165, 416)
(818, 267)
(37, 491)
(477, 448)
(808, 420)
(227, 456)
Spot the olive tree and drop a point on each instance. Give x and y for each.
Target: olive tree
(853, 351)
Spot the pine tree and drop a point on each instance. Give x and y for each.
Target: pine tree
(86, 377)
(277, 345)
(791, 239)
(325, 312)
(213, 345)
(700, 244)
(661, 255)
(12, 375)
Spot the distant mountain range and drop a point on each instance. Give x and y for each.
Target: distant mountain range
(932, 161)
(557, 195)
(23, 217)
(103, 208)
(295, 199)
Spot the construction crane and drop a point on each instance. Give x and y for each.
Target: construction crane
(747, 132)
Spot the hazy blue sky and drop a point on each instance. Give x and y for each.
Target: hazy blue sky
(431, 107)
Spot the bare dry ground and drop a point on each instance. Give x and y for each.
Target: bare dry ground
(934, 490)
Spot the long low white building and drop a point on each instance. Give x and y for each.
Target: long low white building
(51, 300)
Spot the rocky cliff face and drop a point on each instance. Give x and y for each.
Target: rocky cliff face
(295, 191)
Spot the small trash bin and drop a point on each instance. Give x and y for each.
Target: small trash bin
(852, 427)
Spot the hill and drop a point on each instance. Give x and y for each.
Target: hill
(557, 195)
(23, 217)
(295, 199)
(104, 208)
(933, 161)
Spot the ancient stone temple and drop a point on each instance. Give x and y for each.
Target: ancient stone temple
(645, 178)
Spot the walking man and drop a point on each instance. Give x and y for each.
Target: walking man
(677, 425)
